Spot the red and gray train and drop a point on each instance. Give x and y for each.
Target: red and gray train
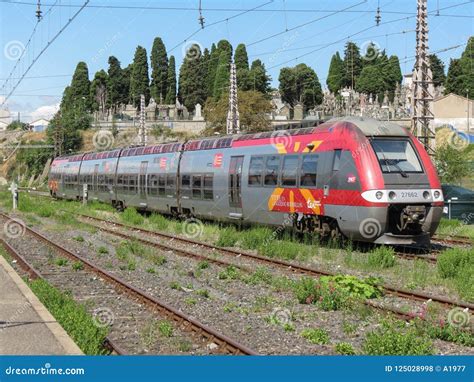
(361, 178)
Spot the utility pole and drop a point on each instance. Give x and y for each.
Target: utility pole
(422, 104)
(233, 120)
(142, 133)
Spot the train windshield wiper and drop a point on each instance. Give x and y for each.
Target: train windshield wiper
(395, 164)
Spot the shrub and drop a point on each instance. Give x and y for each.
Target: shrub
(60, 261)
(102, 250)
(230, 272)
(228, 237)
(332, 296)
(79, 238)
(203, 264)
(316, 336)
(396, 339)
(381, 257)
(356, 287)
(131, 216)
(344, 348)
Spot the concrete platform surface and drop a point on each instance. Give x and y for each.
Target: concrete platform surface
(26, 326)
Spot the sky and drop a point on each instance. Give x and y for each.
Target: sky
(279, 32)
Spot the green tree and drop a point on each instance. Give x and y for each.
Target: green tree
(336, 73)
(99, 92)
(139, 81)
(211, 70)
(352, 64)
(171, 92)
(221, 81)
(159, 70)
(394, 73)
(451, 164)
(66, 126)
(241, 58)
(254, 108)
(453, 79)
(258, 77)
(300, 84)
(191, 88)
(17, 125)
(115, 84)
(126, 80)
(437, 69)
(370, 80)
(78, 96)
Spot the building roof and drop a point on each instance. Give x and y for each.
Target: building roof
(453, 95)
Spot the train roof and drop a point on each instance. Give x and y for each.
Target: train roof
(372, 127)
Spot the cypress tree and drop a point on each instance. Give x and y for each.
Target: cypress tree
(259, 80)
(139, 81)
(126, 79)
(241, 58)
(336, 73)
(114, 84)
(352, 64)
(191, 88)
(159, 70)
(80, 88)
(437, 69)
(212, 69)
(453, 79)
(221, 81)
(99, 92)
(300, 84)
(171, 92)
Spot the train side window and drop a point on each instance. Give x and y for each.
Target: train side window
(309, 169)
(197, 183)
(255, 171)
(153, 184)
(289, 171)
(161, 184)
(186, 185)
(170, 184)
(271, 170)
(208, 187)
(337, 160)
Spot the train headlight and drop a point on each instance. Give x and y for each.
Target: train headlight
(426, 194)
(392, 195)
(437, 194)
(379, 195)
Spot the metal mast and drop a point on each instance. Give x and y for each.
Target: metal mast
(142, 133)
(233, 121)
(423, 83)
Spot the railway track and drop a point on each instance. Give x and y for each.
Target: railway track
(285, 265)
(33, 274)
(224, 343)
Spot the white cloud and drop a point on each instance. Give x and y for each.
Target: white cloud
(46, 112)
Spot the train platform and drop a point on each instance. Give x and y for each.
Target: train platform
(26, 326)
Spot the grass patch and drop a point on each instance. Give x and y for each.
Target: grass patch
(78, 266)
(457, 264)
(60, 261)
(165, 328)
(230, 272)
(316, 336)
(228, 237)
(381, 257)
(131, 216)
(79, 239)
(74, 318)
(102, 250)
(158, 222)
(344, 348)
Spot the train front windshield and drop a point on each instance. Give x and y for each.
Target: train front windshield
(396, 155)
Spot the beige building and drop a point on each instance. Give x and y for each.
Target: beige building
(454, 110)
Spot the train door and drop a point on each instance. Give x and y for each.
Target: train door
(235, 187)
(142, 184)
(95, 179)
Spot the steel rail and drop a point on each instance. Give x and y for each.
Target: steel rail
(225, 343)
(33, 274)
(295, 268)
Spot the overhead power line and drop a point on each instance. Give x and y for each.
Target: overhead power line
(50, 42)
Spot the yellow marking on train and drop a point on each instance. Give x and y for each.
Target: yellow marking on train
(312, 203)
(292, 201)
(281, 148)
(315, 144)
(274, 198)
(297, 147)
